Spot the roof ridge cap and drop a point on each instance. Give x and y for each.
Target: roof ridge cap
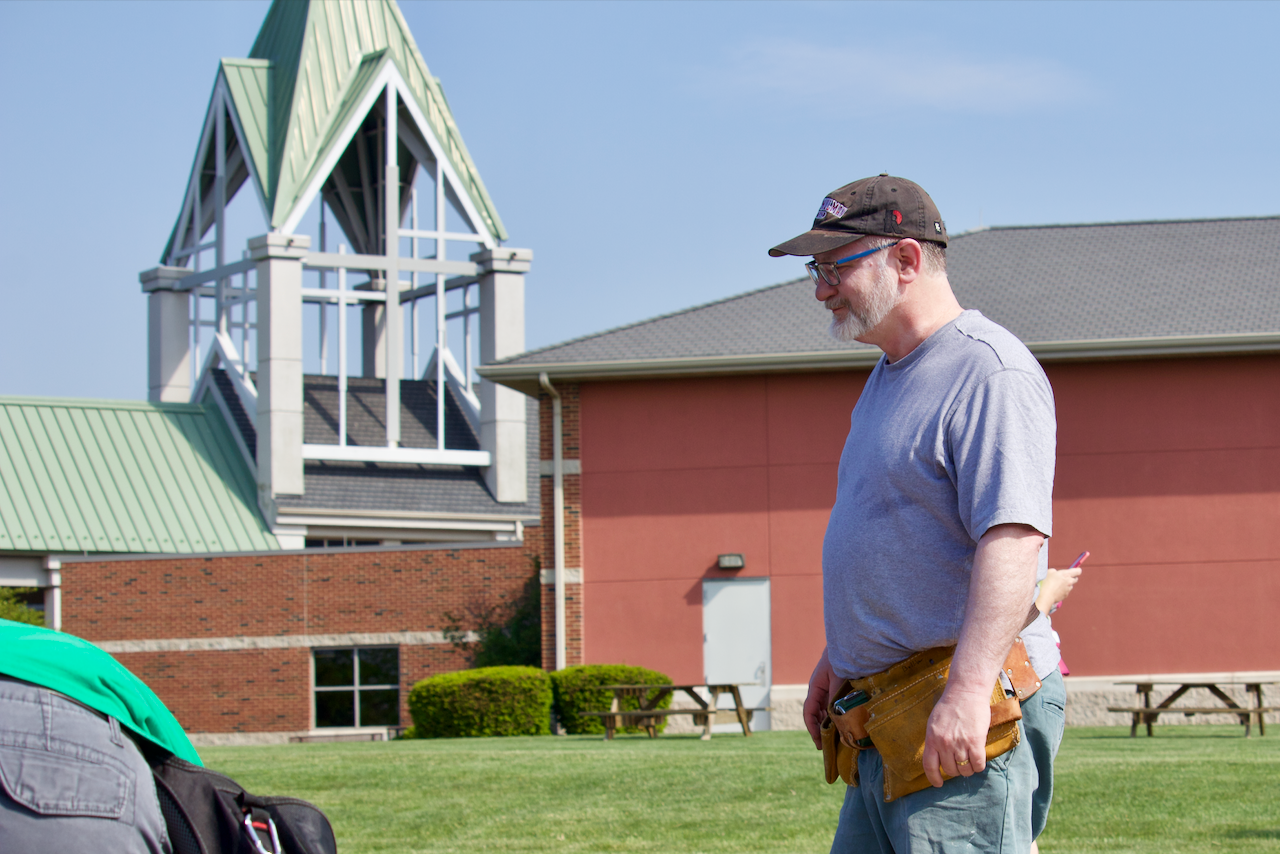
(1103, 223)
(99, 403)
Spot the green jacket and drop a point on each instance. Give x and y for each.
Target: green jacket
(90, 676)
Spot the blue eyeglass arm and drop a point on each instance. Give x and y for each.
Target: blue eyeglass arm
(814, 264)
(868, 252)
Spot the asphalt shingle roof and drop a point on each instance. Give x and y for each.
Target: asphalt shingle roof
(1056, 283)
(395, 487)
(367, 410)
(392, 487)
(1123, 280)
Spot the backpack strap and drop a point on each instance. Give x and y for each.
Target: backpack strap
(209, 813)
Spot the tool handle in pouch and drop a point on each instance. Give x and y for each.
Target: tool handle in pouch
(849, 714)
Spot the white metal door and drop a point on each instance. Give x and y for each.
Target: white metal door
(737, 642)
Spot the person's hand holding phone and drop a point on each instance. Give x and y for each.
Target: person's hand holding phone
(1058, 584)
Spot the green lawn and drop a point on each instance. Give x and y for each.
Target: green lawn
(1188, 789)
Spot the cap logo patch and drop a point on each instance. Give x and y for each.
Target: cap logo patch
(937, 227)
(897, 216)
(830, 206)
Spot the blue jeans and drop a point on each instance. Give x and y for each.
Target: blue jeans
(1000, 810)
(70, 780)
(988, 812)
(1044, 716)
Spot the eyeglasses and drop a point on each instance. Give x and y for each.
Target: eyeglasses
(828, 272)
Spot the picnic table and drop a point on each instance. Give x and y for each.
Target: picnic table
(1148, 714)
(649, 715)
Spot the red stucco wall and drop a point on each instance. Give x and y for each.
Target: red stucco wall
(1169, 473)
(676, 472)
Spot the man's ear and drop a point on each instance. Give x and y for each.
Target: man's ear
(909, 256)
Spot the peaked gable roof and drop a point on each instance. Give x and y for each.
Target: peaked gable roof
(315, 50)
(1067, 291)
(312, 64)
(249, 82)
(114, 476)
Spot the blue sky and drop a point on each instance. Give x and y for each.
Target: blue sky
(648, 153)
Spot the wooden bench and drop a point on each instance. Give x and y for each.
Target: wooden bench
(648, 716)
(1148, 714)
(649, 720)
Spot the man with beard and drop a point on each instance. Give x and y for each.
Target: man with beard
(939, 529)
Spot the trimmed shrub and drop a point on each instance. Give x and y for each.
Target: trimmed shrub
(577, 689)
(487, 701)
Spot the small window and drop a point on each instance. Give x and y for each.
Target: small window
(340, 542)
(357, 687)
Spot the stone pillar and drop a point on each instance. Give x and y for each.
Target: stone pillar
(168, 335)
(279, 264)
(502, 410)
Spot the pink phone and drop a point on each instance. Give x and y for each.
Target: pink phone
(1057, 606)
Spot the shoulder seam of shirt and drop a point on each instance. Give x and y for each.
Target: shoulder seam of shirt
(986, 379)
(986, 343)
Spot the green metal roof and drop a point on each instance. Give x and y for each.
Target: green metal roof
(248, 81)
(113, 476)
(303, 75)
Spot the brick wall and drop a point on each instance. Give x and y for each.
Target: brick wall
(297, 593)
(252, 690)
(570, 422)
(418, 663)
(333, 591)
(572, 623)
(573, 546)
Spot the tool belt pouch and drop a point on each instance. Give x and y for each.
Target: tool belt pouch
(903, 697)
(839, 761)
(840, 734)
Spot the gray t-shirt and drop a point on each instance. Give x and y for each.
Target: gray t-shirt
(947, 442)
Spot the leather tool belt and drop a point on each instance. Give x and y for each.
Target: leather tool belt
(897, 716)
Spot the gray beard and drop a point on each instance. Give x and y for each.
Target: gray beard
(859, 320)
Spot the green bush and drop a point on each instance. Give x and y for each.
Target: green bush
(13, 608)
(577, 690)
(486, 701)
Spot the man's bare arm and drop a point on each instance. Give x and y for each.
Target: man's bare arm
(1001, 591)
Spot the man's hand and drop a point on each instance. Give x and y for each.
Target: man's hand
(1000, 592)
(956, 740)
(822, 684)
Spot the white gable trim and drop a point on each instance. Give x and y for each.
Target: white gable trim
(477, 222)
(219, 99)
(389, 75)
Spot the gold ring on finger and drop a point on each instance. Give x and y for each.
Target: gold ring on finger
(963, 762)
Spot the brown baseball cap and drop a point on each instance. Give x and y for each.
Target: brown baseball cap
(883, 205)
